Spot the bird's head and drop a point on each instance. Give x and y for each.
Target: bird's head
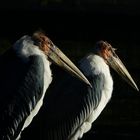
(107, 52)
(54, 54)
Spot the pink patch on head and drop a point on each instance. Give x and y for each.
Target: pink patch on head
(105, 49)
(44, 42)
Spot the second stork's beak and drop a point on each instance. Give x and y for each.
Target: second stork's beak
(113, 60)
(119, 67)
(57, 56)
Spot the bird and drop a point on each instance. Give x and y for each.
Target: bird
(71, 106)
(25, 76)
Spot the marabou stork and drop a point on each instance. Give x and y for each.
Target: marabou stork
(25, 75)
(71, 106)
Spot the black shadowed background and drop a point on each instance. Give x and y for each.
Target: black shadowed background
(75, 26)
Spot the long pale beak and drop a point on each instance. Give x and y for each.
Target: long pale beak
(119, 67)
(59, 58)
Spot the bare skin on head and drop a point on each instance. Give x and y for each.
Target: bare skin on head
(107, 52)
(56, 56)
(105, 49)
(44, 42)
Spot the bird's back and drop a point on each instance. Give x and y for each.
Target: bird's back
(17, 97)
(71, 106)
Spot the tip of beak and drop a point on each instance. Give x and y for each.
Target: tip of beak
(137, 89)
(90, 85)
(133, 84)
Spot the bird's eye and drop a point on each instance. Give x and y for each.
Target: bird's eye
(50, 44)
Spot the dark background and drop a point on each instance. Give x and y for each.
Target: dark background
(74, 26)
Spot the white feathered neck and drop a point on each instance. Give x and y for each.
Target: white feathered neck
(93, 65)
(25, 48)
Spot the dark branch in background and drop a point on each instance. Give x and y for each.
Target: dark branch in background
(126, 6)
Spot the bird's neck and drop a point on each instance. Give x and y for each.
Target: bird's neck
(47, 73)
(94, 65)
(24, 48)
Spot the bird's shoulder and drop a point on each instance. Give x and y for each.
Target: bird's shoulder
(65, 105)
(21, 86)
(14, 71)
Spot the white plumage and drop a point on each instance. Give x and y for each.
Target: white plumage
(26, 71)
(95, 65)
(73, 106)
(24, 51)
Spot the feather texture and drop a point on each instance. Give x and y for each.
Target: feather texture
(23, 83)
(72, 106)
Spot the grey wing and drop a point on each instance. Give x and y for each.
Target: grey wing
(68, 105)
(21, 87)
